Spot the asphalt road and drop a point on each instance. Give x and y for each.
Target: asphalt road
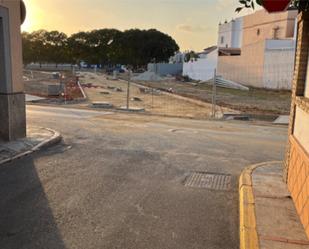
(117, 181)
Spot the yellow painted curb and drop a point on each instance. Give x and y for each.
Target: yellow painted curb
(248, 232)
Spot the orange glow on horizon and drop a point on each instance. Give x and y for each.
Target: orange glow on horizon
(71, 16)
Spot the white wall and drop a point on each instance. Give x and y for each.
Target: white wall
(301, 129)
(279, 64)
(237, 33)
(164, 69)
(203, 68)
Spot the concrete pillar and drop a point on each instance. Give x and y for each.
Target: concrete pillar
(12, 97)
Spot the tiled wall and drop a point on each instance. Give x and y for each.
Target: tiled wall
(298, 153)
(298, 180)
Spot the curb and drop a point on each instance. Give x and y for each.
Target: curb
(56, 138)
(248, 231)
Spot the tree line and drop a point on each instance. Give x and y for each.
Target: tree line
(98, 47)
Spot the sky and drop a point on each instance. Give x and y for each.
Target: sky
(192, 23)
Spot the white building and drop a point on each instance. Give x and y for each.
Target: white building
(230, 34)
(202, 68)
(266, 56)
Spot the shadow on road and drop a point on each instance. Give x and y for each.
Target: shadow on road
(26, 219)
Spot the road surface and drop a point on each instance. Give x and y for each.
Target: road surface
(117, 181)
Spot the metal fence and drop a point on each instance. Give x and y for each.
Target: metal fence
(127, 95)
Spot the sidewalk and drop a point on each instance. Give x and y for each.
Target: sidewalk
(37, 138)
(268, 218)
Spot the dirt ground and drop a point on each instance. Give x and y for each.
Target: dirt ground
(38, 83)
(101, 88)
(254, 101)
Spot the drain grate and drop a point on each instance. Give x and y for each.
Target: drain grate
(209, 181)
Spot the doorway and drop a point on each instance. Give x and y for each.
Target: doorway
(5, 59)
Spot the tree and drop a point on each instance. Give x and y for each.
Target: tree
(56, 47)
(102, 43)
(139, 47)
(102, 47)
(191, 56)
(28, 48)
(34, 47)
(78, 48)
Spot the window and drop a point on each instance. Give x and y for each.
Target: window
(222, 39)
(258, 32)
(5, 66)
(276, 33)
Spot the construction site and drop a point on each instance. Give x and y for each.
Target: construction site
(151, 94)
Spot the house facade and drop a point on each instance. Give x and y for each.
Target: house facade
(12, 98)
(265, 56)
(297, 161)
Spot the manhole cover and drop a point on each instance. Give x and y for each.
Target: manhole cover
(209, 181)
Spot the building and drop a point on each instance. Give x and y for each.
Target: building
(262, 54)
(12, 98)
(202, 68)
(297, 162)
(230, 34)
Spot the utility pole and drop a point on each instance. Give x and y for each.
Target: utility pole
(214, 95)
(95, 69)
(152, 98)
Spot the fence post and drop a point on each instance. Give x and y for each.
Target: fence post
(214, 97)
(128, 90)
(151, 98)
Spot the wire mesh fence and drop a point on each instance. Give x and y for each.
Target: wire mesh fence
(168, 97)
(129, 95)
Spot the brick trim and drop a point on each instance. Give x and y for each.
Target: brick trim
(298, 182)
(299, 80)
(294, 141)
(303, 103)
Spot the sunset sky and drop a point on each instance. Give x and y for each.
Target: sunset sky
(192, 23)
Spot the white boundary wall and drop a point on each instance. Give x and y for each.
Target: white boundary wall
(279, 58)
(278, 69)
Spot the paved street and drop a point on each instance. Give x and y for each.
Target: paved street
(117, 181)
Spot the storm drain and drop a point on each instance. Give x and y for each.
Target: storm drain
(209, 181)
